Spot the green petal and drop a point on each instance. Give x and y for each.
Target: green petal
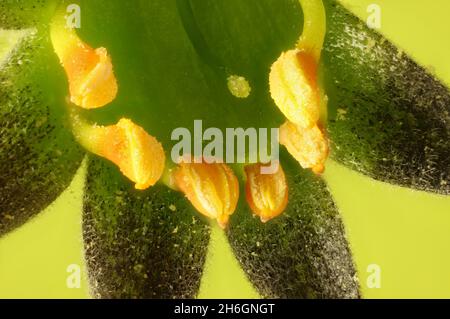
(389, 117)
(140, 244)
(301, 254)
(38, 156)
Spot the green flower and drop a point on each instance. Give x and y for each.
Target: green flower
(181, 60)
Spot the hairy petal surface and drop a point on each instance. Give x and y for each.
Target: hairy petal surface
(304, 252)
(38, 155)
(389, 117)
(138, 244)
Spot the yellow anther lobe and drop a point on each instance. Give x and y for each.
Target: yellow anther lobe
(266, 194)
(139, 156)
(92, 83)
(293, 86)
(308, 146)
(213, 189)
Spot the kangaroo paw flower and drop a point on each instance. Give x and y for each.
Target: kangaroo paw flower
(267, 194)
(308, 146)
(213, 189)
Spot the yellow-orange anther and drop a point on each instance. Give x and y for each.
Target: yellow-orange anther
(92, 83)
(293, 86)
(213, 189)
(139, 156)
(267, 194)
(308, 146)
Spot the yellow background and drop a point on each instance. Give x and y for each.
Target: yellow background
(406, 233)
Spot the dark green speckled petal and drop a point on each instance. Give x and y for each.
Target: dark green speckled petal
(304, 252)
(138, 244)
(389, 117)
(38, 155)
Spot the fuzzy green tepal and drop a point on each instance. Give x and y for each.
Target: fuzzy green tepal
(38, 154)
(140, 245)
(301, 254)
(387, 118)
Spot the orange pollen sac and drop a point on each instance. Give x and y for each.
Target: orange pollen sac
(308, 146)
(293, 87)
(139, 156)
(92, 83)
(213, 189)
(267, 194)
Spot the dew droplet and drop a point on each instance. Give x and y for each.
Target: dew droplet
(239, 86)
